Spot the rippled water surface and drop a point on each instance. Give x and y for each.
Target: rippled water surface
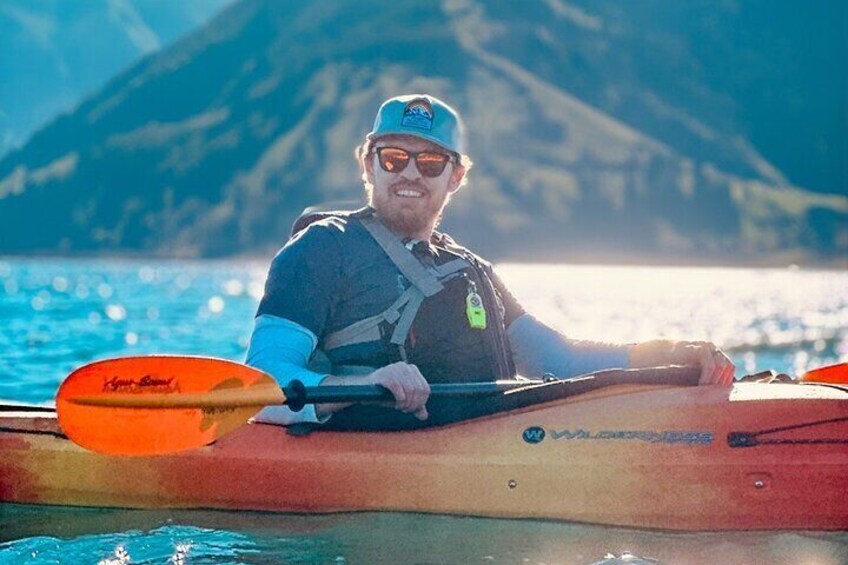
(58, 314)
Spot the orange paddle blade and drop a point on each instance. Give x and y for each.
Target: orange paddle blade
(160, 404)
(835, 374)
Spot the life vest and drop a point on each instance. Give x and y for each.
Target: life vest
(425, 282)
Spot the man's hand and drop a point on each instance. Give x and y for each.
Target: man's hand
(408, 386)
(716, 366)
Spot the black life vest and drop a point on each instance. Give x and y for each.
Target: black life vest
(425, 281)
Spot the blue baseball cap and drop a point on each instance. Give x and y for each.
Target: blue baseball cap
(423, 116)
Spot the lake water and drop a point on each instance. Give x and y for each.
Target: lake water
(56, 315)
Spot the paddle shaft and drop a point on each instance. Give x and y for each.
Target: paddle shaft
(298, 395)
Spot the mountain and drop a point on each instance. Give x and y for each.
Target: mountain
(601, 131)
(57, 51)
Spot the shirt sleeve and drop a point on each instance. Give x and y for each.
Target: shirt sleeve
(538, 349)
(304, 278)
(512, 308)
(282, 349)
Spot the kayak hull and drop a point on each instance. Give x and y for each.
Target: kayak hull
(640, 456)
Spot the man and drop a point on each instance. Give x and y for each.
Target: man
(386, 300)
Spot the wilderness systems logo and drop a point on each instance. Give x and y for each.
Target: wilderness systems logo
(649, 436)
(146, 384)
(535, 434)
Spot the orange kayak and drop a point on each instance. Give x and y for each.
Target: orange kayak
(754, 456)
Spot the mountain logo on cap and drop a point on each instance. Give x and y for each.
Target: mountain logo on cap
(418, 114)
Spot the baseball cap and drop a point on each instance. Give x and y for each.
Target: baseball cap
(423, 116)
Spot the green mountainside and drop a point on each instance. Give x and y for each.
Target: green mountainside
(598, 134)
(55, 52)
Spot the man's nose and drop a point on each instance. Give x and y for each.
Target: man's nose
(411, 172)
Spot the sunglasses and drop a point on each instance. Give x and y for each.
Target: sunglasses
(429, 163)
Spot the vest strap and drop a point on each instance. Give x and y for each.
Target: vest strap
(424, 282)
(405, 322)
(452, 267)
(402, 311)
(367, 329)
(404, 260)
(444, 273)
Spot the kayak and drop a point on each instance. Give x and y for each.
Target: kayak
(752, 456)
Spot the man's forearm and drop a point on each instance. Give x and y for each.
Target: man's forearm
(538, 349)
(660, 352)
(282, 349)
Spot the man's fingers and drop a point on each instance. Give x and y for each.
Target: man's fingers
(409, 388)
(706, 375)
(716, 366)
(416, 388)
(725, 367)
(397, 391)
(707, 365)
(728, 376)
(414, 402)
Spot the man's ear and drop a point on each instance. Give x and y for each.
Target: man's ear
(457, 175)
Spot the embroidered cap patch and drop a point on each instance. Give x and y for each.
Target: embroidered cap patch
(418, 114)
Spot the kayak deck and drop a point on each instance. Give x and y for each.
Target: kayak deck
(753, 456)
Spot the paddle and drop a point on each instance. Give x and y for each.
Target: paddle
(832, 374)
(165, 404)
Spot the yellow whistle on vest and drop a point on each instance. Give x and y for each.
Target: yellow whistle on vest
(475, 311)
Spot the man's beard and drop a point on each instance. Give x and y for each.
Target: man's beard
(407, 221)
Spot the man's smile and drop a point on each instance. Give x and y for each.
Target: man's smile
(409, 193)
(405, 190)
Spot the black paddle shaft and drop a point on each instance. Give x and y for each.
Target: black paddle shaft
(298, 395)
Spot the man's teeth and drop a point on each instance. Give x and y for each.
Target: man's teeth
(408, 193)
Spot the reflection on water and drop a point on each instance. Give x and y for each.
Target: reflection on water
(102, 536)
(58, 314)
(784, 319)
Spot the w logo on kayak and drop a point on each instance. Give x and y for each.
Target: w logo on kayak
(533, 434)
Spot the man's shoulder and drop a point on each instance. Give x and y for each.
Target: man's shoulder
(328, 233)
(333, 226)
(334, 223)
(328, 218)
(447, 242)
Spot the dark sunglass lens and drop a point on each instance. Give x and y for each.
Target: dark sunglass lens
(393, 160)
(431, 164)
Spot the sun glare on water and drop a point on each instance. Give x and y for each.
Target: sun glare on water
(744, 310)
